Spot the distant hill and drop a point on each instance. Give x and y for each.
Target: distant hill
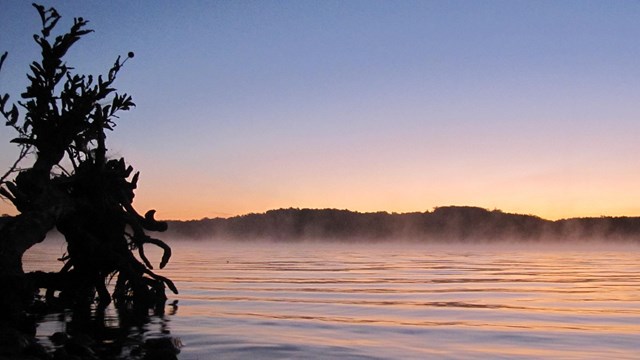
(451, 223)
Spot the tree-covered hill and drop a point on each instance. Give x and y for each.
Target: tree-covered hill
(452, 223)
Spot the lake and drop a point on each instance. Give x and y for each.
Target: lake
(268, 300)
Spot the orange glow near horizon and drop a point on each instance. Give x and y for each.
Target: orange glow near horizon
(318, 106)
(550, 195)
(170, 212)
(219, 204)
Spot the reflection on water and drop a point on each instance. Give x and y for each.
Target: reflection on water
(101, 333)
(93, 332)
(282, 300)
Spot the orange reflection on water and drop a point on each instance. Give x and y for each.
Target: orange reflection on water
(406, 300)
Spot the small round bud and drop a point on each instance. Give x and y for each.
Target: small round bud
(130, 54)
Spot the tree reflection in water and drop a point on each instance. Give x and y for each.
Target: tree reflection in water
(109, 333)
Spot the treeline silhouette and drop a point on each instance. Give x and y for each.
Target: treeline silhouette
(451, 223)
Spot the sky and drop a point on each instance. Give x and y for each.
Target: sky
(244, 106)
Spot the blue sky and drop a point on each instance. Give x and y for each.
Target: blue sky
(244, 106)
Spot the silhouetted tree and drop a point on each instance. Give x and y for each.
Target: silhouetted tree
(62, 119)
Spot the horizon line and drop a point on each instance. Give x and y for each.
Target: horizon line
(230, 216)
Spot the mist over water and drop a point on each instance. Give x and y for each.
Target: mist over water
(274, 300)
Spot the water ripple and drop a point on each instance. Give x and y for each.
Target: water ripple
(340, 301)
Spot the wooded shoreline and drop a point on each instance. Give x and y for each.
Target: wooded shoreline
(451, 223)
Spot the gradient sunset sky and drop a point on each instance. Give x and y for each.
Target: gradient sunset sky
(244, 106)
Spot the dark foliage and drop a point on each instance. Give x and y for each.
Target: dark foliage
(452, 223)
(62, 119)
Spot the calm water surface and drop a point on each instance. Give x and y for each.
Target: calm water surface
(360, 301)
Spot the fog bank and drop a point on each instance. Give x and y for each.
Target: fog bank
(444, 224)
